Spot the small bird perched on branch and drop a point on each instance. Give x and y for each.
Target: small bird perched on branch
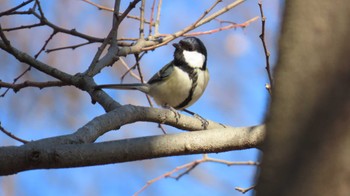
(179, 83)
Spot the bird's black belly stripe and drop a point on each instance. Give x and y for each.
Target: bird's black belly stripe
(194, 76)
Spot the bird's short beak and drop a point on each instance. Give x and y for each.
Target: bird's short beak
(176, 45)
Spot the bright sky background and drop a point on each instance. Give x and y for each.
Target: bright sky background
(236, 96)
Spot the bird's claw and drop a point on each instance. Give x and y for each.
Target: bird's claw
(204, 121)
(176, 113)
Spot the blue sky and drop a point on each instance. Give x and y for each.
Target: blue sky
(236, 96)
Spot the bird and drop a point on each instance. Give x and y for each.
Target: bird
(181, 82)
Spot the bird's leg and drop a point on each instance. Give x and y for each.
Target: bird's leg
(205, 123)
(176, 113)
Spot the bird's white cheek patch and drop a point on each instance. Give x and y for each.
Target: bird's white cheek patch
(194, 58)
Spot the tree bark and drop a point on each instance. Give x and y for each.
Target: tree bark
(45, 154)
(307, 146)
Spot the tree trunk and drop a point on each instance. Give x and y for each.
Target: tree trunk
(307, 147)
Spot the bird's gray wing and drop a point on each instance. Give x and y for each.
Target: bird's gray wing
(163, 74)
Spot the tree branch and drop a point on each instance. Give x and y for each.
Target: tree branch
(25, 58)
(40, 85)
(7, 12)
(45, 155)
(196, 24)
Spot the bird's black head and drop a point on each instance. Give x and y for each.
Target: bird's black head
(190, 51)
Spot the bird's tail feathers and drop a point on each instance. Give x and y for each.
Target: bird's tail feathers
(139, 86)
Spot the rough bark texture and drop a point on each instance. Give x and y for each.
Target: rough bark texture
(307, 148)
(42, 154)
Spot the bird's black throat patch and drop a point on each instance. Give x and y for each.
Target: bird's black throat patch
(193, 74)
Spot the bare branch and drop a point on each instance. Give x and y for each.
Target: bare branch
(151, 19)
(40, 85)
(156, 29)
(189, 167)
(7, 12)
(142, 24)
(129, 70)
(11, 135)
(47, 154)
(196, 24)
(100, 7)
(45, 22)
(4, 38)
(25, 58)
(37, 3)
(128, 9)
(232, 26)
(244, 190)
(45, 44)
(73, 47)
(266, 51)
(24, 27)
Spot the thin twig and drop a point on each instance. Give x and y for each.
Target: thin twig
(15, 80)
(11, 135)
(189, 167)
(128, 9)
(269, 87)
(40, 85)
(45, 22)
(142, 24)
(72, 32)
(196, 24)
(67, 47)
(45, 44)
(232, 26)
(101, 7)
(244, 190)
(24, 27)
(9, 11)
(137, 64)
(8, 44)
(128, 70)
(206, 12)
(187, 171)
(37, 2)
(151, 19)
(156, 28)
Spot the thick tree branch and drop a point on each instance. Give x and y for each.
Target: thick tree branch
(128, 114)
(45, 155)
